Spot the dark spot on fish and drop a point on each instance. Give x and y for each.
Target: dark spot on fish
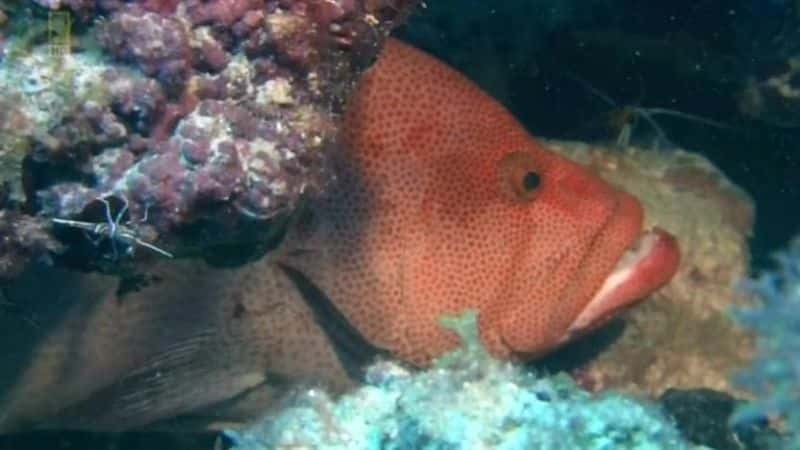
(355, 352)
(238, 311)
(135, 283)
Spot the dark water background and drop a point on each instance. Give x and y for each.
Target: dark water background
(687, 55)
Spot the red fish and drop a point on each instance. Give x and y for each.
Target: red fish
(442, 202)
(448, 203)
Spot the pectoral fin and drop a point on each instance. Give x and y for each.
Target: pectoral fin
(354, 351)
(184, 377)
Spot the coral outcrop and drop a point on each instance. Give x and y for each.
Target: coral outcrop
(213, 116)
(466, 401)
(774, 376)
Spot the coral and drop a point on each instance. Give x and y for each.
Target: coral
(775, 99)
(25, 238)
(219, 152)
(158, 45)
(466, 401)
(50, 109)
(201, 115)
(774, 376)
(3, 23)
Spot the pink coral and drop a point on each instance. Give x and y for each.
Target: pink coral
(223, 12)
(217, 110)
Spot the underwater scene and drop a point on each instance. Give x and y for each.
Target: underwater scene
(399, 224)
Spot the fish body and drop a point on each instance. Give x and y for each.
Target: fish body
(442, 202)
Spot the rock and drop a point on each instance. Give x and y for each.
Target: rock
(702, 416)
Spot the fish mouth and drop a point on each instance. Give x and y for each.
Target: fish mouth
(647, 264)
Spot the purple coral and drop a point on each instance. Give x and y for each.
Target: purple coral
(25, 238)
(157, 44)
(219, 153)
(212, 111)
(222, 12)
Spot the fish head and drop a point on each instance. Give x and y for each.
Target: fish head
(575, 251)
(460, 208)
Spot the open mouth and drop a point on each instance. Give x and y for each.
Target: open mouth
(647, 265)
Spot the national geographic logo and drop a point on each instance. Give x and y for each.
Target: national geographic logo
(59, 33)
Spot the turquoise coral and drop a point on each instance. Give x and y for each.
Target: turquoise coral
(466, 401)
(774, 376)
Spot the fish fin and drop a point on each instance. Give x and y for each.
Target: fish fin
(183, 377)
(353, 350)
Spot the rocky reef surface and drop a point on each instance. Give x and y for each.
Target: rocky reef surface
(172, 127)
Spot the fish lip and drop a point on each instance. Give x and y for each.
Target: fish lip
(647, 264)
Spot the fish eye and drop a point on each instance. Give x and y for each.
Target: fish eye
(519, 176)
(531, 181)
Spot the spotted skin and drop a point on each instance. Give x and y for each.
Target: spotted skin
(442, 202)
(432, 218)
